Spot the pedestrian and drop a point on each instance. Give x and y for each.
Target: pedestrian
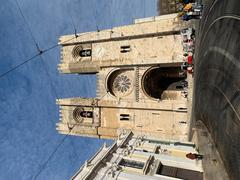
(186, 17)
(188, 7)
(190, 69)
(189, 16)
(190, 59)
(194, 156)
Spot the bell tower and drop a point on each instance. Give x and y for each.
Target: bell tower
(139, 80)
(80, 114)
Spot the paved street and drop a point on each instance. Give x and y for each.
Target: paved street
(217, 78)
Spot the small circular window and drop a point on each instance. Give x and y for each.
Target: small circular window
(122, 84)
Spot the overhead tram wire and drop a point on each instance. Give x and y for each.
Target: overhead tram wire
(40, 52)
(76, 36)
(19, 65)
(33, 57)
(70, 129)
(53, 153)
(71, 17)
(25, 21)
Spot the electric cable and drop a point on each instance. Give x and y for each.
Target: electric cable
(19, 65)
(28, 26)
(71, 18)
(33, 57)
(53, 153)
(40, 52)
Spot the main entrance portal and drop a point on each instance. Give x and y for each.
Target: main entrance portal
(157, 80)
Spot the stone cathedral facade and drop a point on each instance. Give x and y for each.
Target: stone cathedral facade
(139, 81)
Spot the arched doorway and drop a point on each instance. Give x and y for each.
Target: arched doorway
(157, 80)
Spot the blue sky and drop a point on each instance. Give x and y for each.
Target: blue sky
(28, 112)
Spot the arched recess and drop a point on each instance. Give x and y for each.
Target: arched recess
(80, 114)
(158, 80)
(82, 52)
(120, 82)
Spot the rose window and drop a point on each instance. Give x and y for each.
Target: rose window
(120, 83)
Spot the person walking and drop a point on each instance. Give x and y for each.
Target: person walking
(194, 156)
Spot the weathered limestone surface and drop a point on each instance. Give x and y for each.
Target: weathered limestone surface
(150, 41)
(131, 63)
